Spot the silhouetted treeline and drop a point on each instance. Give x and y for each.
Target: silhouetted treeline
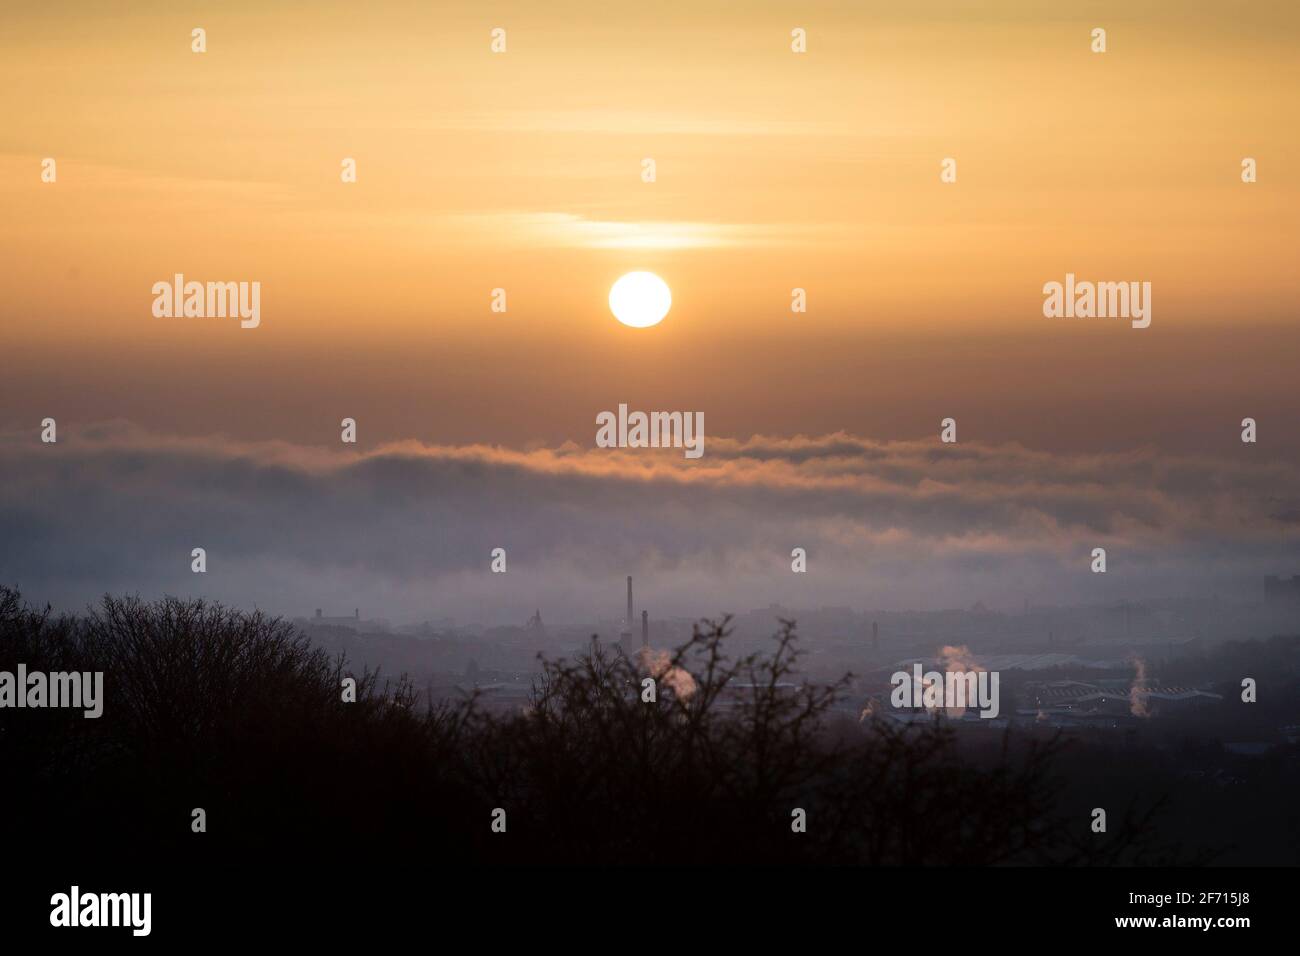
(237, 714)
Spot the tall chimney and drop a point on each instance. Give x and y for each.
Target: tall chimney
(875, 635)
(645, 628)
(629, 603)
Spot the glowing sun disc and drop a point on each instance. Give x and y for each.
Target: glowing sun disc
(640, 299)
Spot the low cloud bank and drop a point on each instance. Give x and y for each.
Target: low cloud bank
(407, 530)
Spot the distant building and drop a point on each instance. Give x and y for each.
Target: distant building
(353, 623)
(1110, 699)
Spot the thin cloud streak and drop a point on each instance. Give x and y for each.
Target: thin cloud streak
(560, 229)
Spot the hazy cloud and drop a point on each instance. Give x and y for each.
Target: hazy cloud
(406, 530)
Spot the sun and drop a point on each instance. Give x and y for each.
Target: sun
(640, 299)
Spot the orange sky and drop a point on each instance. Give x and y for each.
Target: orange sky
(775, 170)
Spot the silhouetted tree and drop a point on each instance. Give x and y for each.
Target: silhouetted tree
(238, 713)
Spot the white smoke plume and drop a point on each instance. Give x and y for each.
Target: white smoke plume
(659, 665)
(1138, 690)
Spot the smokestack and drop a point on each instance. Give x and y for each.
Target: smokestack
(875, 635)
(357, 613)
(629, 602)
(645, 628)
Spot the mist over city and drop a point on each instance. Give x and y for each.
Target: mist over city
(408, 529)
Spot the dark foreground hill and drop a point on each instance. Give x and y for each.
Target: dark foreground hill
(238, 715)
